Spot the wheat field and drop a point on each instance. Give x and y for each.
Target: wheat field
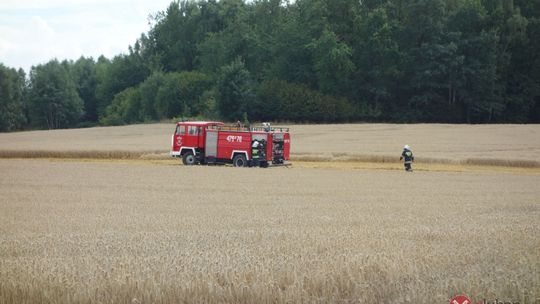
(141, 232)
(505, 145)
(103, 215)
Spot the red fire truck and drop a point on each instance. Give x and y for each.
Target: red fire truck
(203, 142)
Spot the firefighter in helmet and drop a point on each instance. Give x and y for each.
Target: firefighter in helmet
(262, 154)
(407, 157)
(255, 153)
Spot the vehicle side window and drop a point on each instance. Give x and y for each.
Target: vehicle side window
(193, 130)
(180, 130)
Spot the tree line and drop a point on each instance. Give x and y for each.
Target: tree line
(451, 61)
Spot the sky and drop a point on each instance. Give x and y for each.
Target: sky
(33, 32)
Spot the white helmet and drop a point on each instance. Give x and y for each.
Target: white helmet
(255, 144)
(406, 147)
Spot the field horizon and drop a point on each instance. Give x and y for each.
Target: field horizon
(481, 145)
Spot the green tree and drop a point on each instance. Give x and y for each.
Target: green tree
(379, 62)
(332, 63)
(474, 92)
(182, 95)
(422, 42)
(122, 72)
(173, 39)
(148, 91)
(53, 99)
(83, 72)
(280, 100)
(124, 109)
(235, 95)
(505, 22)
(517, 27)
(296, 28)
(12, 87)
(238, 38)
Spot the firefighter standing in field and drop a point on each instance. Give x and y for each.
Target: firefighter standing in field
(407, 157)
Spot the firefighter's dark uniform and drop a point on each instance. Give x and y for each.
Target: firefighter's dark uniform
(408, 158)
(255, 153)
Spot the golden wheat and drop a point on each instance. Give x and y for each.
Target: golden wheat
(492, 145)
(133, 232)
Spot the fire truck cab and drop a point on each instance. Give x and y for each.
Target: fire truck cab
(211, 142)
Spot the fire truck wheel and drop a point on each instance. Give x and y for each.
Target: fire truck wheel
(188, 159)
(239, 160)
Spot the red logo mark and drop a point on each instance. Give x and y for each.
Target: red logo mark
(460, 299)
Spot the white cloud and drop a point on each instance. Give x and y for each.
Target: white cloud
(33, 31)
(53, 4)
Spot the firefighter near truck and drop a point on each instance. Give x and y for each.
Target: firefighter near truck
(203, 142)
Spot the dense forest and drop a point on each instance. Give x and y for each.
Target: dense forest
(454, 61)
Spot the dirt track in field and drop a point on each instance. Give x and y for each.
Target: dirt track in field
(137, 231)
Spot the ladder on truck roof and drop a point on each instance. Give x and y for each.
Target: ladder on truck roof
(228, 128)
(246, 129)
(271, 129)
